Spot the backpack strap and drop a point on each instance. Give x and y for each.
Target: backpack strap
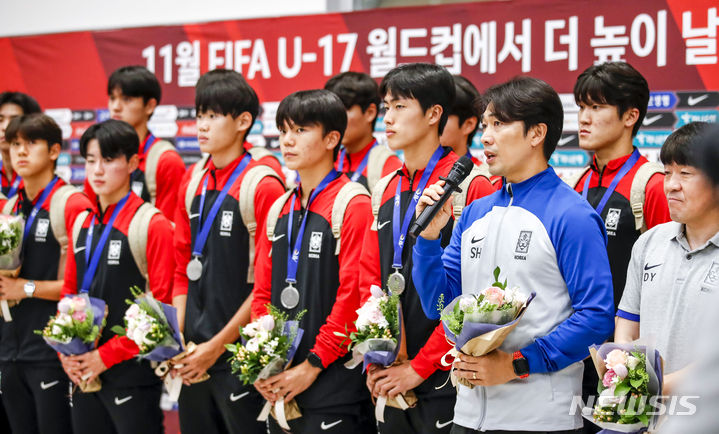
(2, 196)
(248, 187)
(274, 214)
(77, 227)
(137, 237)
(348, 192)
(9, 205)
(153, 159)
(57, 213)
(378, 156)
(377, 194)
(637, 195)
(574, 179)
(195, 179)
(260, 152)
(459, 199)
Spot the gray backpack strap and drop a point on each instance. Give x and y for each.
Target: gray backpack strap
(77, 227)
(274, 214)
(248, 187)
(637, 195)
(2, 196)
(192, 186)
(573, 180)
(153, 158)
(348, 192)
(137, 237)
(377, 194)
(57, 213)
(9, 205)
(378, 156)
(259, 152)
(459, 199)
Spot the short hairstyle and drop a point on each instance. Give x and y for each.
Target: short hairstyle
(617, 84)
(35, 126)
(313, 107)
(25, 101)
(707, 153)
(115, 138)
(467, 103)
(355, 88)
(532, 101)
(429, 84)
(678, 148)
(135, 81)
(226, 92)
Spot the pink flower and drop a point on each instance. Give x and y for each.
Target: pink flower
(609, 376)
(615, 357)
(78, 303)
(494, 295)
(64, 305)
(621, 371)
(79, 315)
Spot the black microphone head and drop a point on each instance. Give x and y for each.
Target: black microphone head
(460, 169)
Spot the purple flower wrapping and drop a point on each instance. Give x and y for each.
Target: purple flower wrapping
(383, 357)
(166, 352)
(296, 342)
(76, 346)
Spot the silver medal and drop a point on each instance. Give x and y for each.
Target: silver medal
(290, 297)
(396, 282)
(194, 269)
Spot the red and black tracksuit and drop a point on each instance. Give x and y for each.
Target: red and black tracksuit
(426, 343)
(352, 161)
(170, 169)
(328, 287)
(34, 385)
(5, 185)
(213, 406)
(129, 401)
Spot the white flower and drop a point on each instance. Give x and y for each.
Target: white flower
(632, 362)
(253, 345)
(56, 330)
(251, 329)
(376, 291)
(467, 304)
(63, 319)
(262, 336)
(515, 296)
(607, 398)
(267, 322)
(370, 313)
(133, 311)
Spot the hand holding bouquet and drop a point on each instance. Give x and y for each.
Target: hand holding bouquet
(630, 377)
(76, 328)
(477, 324)
(11, 236)
(269, 344)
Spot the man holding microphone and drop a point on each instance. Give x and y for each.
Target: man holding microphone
(545, 239)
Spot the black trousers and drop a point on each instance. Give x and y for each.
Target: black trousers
(590, 380)
(35, 397)
(118, 410)
(220, 405)
(457, 429)
(358, 419)
(430, 415)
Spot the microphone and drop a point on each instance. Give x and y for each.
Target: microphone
(459, 172)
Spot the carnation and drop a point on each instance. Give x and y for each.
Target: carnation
(615, 357)
(493, 295)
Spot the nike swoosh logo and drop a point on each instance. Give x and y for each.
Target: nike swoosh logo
(277, 237)
(647, 267)
(78, 250)
(697, 100)
(45, 386)
(442, 425)
(234, 397)
(651, 120)
(119, 401)
(326, 426)
(383, 224)
(564, 140)
(476, 241)
(194, 216)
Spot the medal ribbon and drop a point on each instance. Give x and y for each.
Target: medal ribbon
(38, 206)
(147, 144)
(15, 183)
(92, 258)
(399, 234)
(203, 227)
(354, 176)
(293, 255)
(613, 185)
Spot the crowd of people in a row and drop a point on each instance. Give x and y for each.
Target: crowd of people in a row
(624, 240)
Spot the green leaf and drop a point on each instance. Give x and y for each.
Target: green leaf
(119, 330)
(230, 347)
(622, 389)
(643, 418)
(636, 382)
(496, 274)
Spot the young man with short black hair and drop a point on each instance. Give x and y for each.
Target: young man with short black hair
(222, 205)
(133, 95)
(674, 271)
(361, 157)
(323, 221)
(34, 386)
(417, 98)
(463, 120)
(545, 239)
(12, 105)
(108, 259)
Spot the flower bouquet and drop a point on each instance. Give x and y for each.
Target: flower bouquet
(377, 341)
(268, 345)
(76, 328)
(153, 327)
(478, 324)
(630, 380)
(11, 236)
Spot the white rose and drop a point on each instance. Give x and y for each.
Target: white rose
(632, 362)
(253, 345)
(56, 330)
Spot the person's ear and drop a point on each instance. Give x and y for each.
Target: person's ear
(630, 117)
(150, 107)
(371, 113)
(434, 114)
(537, 134)
(331, 139)
(54, 151)
(243, 122)
(133, 163)
(469, 125)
